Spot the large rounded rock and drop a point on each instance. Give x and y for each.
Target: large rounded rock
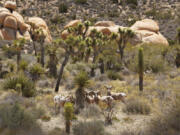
(105, 23)
(3, 15)
(146, 24)
(10, 22)
(73, 23)
(10, 5)
(8, 33)
(37, 23)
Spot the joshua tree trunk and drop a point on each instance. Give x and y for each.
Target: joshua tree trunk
(61, 71)
(52, 66)
(80, 98)
(102, 66)
(18, 59)
(68, 126)
(34, 46)
(93, 68)
(141, 69)
(42, 54)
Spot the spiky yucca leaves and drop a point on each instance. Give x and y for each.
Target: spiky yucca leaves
(140, 68)
(36, 70)
(82, 81)
(20, 80)
(69, 115)
(18, 45)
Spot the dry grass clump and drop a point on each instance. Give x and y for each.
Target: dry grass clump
(89, 128)
(167, 123)
(137, 105)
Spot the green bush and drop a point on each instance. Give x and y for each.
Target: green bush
(23, 65)
(27, 86)
(137, 106)
(63, 8)
(89, 128)
(36, 70)
(114, 75)
(16, 118)
(81, 1)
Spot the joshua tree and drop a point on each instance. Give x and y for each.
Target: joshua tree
(36, 70)
(82, 81)
(53, 61)
(122, 39)
(41, 39)
(69, 46)
(18, 45)
(140, 68)
(32, 33)
(69, 114)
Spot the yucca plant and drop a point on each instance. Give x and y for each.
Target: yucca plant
(36, 70)
(69, 115)
(82, 81)
(18, 45)
(20, 82)
(23, 65)
(140, 68)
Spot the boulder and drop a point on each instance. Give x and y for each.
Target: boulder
(72, 23)
(1, 35)
(104, 30)
(2, 9)
(27, 36)
(155, 39)
(146, 24)
(10, 22)
(8, 33)
(105, 23)
(64, 34)
(3, 15)
(10, 5)
(37, 23)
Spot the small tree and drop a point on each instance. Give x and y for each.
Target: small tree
(82, 81)
(122, 38)
(69, 114)
(18, 45)
(41, 39)
(140, 68)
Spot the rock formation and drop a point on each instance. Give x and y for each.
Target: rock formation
(13, 26)
(146, 31)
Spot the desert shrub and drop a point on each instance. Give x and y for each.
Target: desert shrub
(153, 58)
(27, 86)
(114, 75)
(63, 8)
(15, 117)
(89, 128)
(9, 51)
(166, 123)
(91, 111)
(137, 106)
(81, 1)
(36, 70)
(23, 65)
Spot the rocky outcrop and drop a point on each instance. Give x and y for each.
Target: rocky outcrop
(38, 23)
(146, 31)
(13, 26)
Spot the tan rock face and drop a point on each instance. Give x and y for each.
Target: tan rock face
(10, 5)
(40, 23)
(105, 23)
(14, 26)
(72, 23)
(146, 24)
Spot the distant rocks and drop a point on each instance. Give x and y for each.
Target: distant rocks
(146, 31)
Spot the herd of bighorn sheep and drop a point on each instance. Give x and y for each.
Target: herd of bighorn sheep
(91, 97)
